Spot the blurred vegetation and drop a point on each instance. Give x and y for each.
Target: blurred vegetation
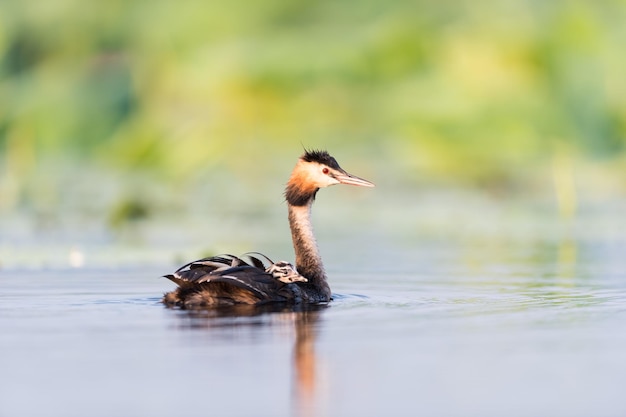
(512, 96)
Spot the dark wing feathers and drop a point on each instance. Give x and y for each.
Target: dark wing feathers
(213, 263)
(219, 273)
(240, 283)
(176, 280)
(256, 262)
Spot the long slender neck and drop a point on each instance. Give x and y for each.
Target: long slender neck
(308, 259)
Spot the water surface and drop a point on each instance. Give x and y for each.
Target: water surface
(433, 328)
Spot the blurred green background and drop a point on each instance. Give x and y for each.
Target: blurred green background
(119, 109)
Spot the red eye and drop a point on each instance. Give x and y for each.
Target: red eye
(325, 170)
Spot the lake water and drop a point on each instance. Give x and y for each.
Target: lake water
(525, 322)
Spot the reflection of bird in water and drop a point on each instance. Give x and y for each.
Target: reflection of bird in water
(228, 280)
(226, 322)
(308, 401)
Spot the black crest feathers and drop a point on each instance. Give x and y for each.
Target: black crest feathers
(321, 157)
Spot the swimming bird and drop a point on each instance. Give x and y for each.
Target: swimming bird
(230, 280)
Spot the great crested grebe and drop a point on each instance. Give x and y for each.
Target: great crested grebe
(229, 280)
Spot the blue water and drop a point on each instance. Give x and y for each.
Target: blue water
(488, 327)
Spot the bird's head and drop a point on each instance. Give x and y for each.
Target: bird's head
(315, 170)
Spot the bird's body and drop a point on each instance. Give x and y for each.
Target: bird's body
(229, 280)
